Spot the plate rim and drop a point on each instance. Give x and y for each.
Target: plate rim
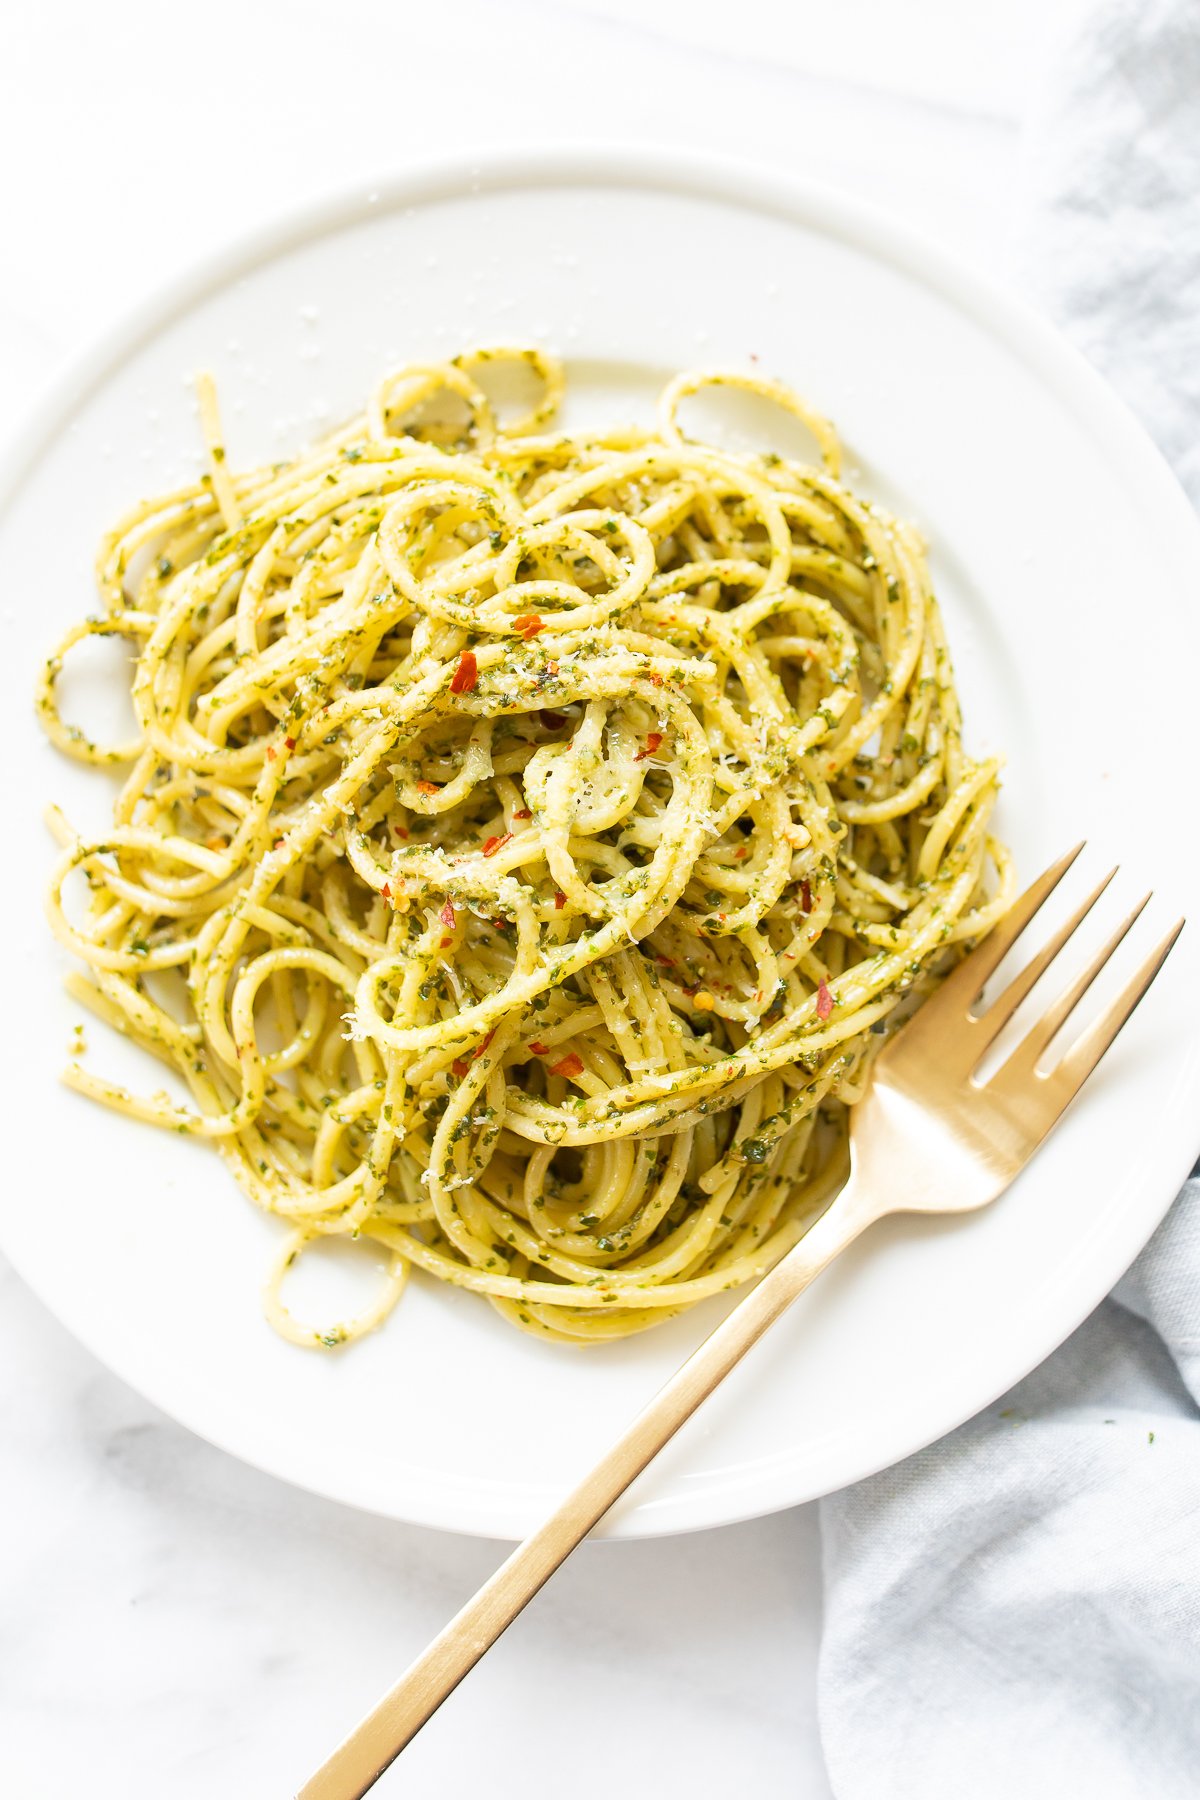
(794, 198)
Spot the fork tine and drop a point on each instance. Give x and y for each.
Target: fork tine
(1086, 1052)
(965, 983)
(1006, 1004)
(1037, 1039)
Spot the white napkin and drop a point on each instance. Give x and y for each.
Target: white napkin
(1016, 1611)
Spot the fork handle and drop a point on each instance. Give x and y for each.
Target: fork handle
(361, 1758)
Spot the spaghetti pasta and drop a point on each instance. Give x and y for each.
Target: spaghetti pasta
(526, 838)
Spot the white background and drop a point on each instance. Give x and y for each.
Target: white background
(171, 1623)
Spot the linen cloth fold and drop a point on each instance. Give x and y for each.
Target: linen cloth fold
(1016, 1610)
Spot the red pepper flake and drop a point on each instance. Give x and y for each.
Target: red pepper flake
(560, 900)
(277, 845)
(401, 831)
(483, 1046)
(447, 915)
(824, 1001)
(497, 843)
(458, 1067)
(653, 740)
(385, 892)
(553, 721)
(538, 1048)
(655, 680)
(523, 813)
(805, 897)
(428, 787)
(270, 753)
(445, 943)
(528, 625)
(466, 674)
(570, 1066)
(289, 743)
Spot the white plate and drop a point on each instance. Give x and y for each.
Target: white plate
(1069, 564)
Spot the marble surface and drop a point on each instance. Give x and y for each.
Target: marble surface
(172, 1623)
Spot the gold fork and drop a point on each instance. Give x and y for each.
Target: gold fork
(928, 1136)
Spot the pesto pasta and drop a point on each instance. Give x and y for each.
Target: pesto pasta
(526, 837)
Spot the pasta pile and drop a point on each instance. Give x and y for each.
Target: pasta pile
(526, 837)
